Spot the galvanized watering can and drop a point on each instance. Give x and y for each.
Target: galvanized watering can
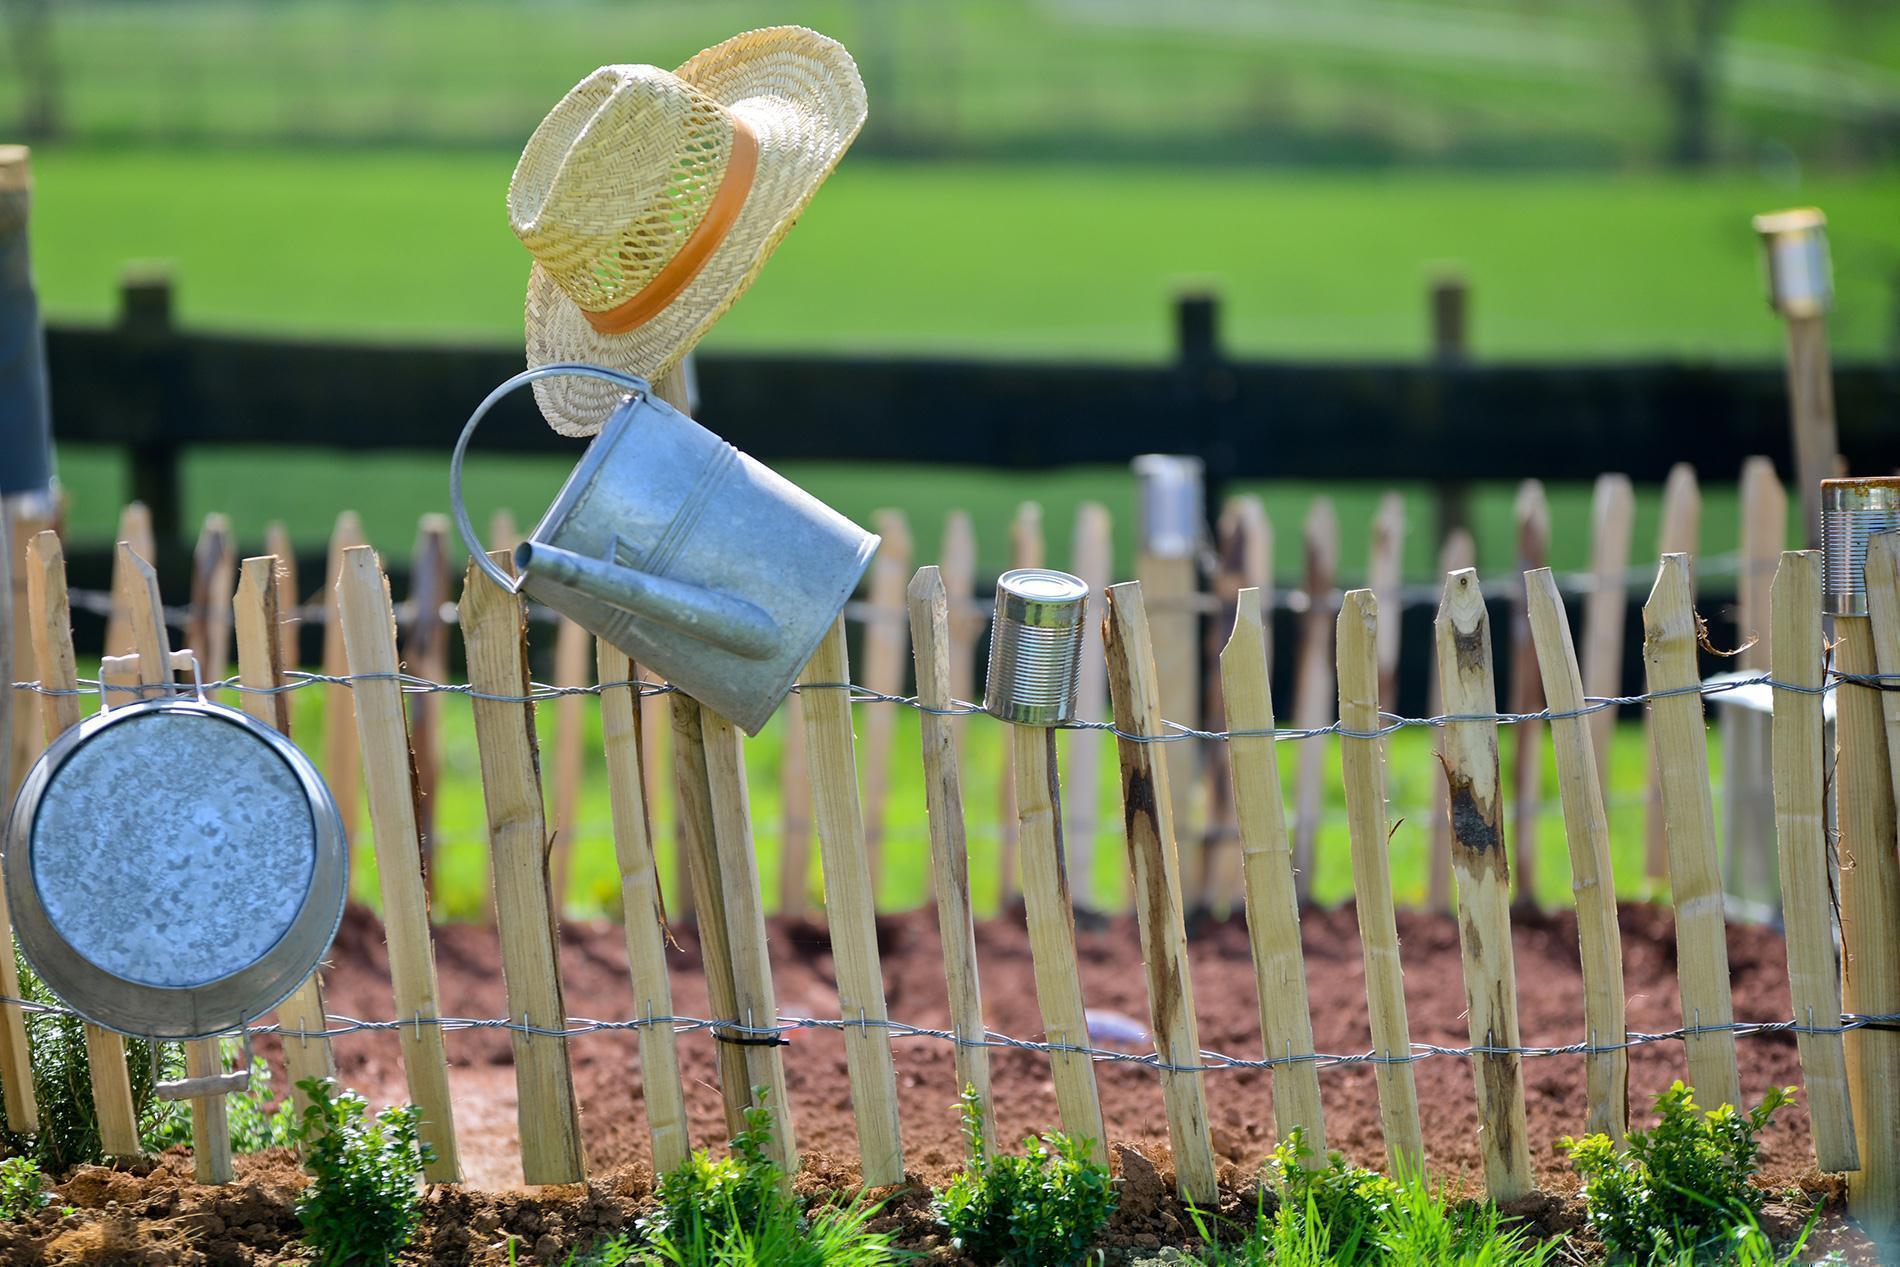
(701, 564)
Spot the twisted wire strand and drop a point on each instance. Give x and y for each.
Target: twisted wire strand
(1210, 1061)
(1172, 732)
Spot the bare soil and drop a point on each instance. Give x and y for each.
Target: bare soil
(151, 1213)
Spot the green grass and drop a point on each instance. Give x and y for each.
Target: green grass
(1000, 260)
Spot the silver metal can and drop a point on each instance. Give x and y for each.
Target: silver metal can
(1173, 504)
(1800, 280)
(1852, 511)
(1035, 646)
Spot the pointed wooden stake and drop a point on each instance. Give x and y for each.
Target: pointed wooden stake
(1313, 697)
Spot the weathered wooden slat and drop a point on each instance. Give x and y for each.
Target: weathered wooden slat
(1244, 538)
(342, 761)
(1313, 696)
(1532, 514)
(886, 631)
(1091, 557)
(1457, 553)
(1612, 519)
(1680, 533)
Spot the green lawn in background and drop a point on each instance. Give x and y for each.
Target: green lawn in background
(1005, 260)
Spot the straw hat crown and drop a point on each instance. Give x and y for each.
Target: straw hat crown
(650, 199)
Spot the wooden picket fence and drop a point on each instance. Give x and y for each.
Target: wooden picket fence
(1231, 842)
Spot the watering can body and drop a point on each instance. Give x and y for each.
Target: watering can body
(699, 562)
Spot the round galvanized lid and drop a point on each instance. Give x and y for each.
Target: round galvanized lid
(175, 868)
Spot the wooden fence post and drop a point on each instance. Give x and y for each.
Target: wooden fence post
(1245, 543)
(1362, 764)
(144, 611)
(342, 767)
(1587, 831)
(851, 906)
(1747, 803)
(570, 738)
(1612, 518)
(886, 631)
(1532, 513)
(642, 915)
(745, 924)
(1091, 557)
(367, 625)
(1313, 698)
(1173, 582)
(1149, 816)
(1273, 907)
(1026, 551)
(1867, 730)
(19, 612)
(261, 671)
(1807, 899)
(967, 617)
(949, 855)
(17, 731)
(1695, 871)
(135, 529)
(1475, 814)
(213, 578)
(1385, 574)
(494, 629)
(1681, 533)
(427, 655)
(284, 579)
(794, 805)
(1457, 554)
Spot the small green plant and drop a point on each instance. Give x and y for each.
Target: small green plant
(1682, 1186)
(256, 1122)
(1043, 1209)
(1345, 1201)
(363, 1201)
(704, 1195)
(22, 1188)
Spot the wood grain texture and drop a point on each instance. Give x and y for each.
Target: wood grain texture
(368, 628)
(745, 926)
(1091, 557)
(135, 529)
(1680, 533)
(137, 595)
(494, 630)
(261, 668)
(1587, 833)
(1362, 764)
(851, 908)
(1148, 819)
(1244, 543)
(277, 544)
(930, 642)
(427, 655)
(1867, 728)
(642, 916)
(1764, 533)
(1457, 553)
(1612, 519)
(1171, 586)
(342, 763)
(1532, 515)
(1695, 868)
(1052, 933)
(886, 635)
(1313, 695)
(1807, 899)
(1817, 450)
(1474, 804)
(1273, 905)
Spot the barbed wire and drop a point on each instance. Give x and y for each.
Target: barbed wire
(1172, 732)
(337, 1026)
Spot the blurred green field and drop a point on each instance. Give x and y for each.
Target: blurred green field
(1006, 260)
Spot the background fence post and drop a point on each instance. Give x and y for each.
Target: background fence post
(1592, 883)
(571, 643)
(1457, 553)
(642, 916)
(850, 901)
(1695, 871)
(1748, 806)
(213, 580)
(1475, 801)
(949, 855)
(135, 529)
(145, 318)
(427, 655)
(1612, 519)
(1092, 558)
(1385, 574)
(367, 626)
(1362, 765)
(342, 768)
(1026, 551)
(1313, 697)
(966, 615)
(1173, 582)
(261, 670)
(20, 612)
(1680, 533)
(886, 632)
(1245, 548)
(494, 630)
(1807, 899)
(1532, 514)
(1149, 817)
(794, 807)
(1273, 907)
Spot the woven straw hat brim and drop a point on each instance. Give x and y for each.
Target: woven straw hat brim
(802, 96)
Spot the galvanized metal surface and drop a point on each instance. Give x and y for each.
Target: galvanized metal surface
(1173, 503)
(1852, 511)
(175, 868)
(697, 561)
(1035, 646)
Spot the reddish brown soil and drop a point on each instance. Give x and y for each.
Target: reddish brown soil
(153, 1214)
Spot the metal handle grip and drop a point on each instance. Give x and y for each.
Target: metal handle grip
(632, 383)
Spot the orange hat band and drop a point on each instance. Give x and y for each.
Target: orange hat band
(721, 214)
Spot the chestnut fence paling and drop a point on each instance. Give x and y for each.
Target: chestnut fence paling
(1845, 1029)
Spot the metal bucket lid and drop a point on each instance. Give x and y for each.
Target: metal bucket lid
(175, 868)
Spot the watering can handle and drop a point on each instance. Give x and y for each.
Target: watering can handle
(638, 386)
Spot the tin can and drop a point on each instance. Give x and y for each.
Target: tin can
(1035, 646)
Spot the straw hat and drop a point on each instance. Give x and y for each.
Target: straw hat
(650, 199)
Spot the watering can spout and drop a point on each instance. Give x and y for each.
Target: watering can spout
(721, 620)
